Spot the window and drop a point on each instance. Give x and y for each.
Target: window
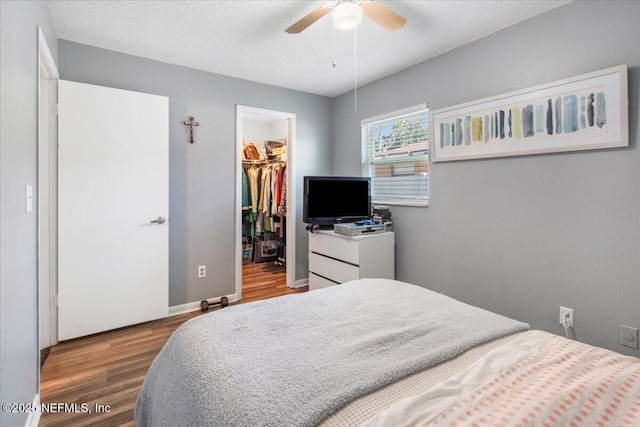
(395, 154)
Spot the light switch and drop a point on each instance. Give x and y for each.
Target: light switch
(29, 198)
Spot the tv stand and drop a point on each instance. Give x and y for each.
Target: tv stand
(336, 258)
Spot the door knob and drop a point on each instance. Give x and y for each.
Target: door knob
(159, 220)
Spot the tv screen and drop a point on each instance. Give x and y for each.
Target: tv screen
(336, 199)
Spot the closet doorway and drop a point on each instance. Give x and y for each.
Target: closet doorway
(265, 201)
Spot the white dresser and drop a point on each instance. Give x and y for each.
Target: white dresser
(336, 258)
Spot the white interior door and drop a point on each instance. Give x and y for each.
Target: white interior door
(113, 182)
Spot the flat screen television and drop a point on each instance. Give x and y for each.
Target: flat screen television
(336, 199)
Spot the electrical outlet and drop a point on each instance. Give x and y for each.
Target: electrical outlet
(202, 271)
(629, 336)
(564, 311)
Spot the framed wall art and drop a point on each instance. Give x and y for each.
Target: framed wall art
(586, 112)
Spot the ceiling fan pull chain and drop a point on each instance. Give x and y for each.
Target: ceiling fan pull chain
(333, 17)
(355, 70)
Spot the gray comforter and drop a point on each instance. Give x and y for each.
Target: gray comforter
(294, 360)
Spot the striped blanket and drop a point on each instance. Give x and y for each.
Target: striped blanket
(556, 382)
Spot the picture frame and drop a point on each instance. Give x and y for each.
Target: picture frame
(585, 112)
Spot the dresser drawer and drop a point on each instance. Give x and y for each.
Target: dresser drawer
(335, 247)
(332, 269)
(318, 282)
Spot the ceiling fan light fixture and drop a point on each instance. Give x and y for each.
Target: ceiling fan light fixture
(347, 16)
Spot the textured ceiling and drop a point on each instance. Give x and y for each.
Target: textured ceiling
(246, 39)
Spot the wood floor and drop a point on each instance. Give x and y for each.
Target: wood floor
(108, 368)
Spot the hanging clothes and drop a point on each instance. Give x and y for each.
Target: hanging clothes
(247, 208)
(264, 200)
(265, 194)
(259, 223)
(278, 186)
(282, 207)
(275, 188)
(245, 190)
(265, 191)
(252, 175)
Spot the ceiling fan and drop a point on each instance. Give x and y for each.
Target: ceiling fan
(348, 15)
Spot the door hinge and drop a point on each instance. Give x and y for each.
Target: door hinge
(54, 301)
(54, 109)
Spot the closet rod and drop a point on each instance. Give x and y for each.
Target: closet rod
(262, 162)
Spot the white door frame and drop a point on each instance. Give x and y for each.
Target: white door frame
(47, 243)
(241, 111)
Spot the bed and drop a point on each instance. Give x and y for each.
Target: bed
(377, 352)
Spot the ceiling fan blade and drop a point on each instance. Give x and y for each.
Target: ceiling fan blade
(309, 19)
(383, 16)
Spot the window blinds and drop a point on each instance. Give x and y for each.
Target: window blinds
(395, 154)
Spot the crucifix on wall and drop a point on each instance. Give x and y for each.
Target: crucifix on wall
(191, 124)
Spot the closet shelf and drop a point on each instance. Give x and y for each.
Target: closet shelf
(262, 161)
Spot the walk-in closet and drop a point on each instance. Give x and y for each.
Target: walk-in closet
(264, 186)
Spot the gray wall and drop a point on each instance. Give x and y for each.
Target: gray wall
(523, 235)
(202, 175)
(18, 157)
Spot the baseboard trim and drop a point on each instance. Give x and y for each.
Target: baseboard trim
(195, 305)
(301, 282)
(34, 417)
